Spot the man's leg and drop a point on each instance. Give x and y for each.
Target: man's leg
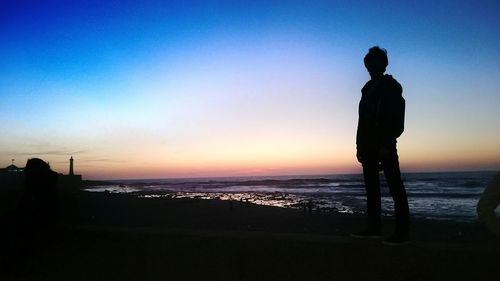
(372, 187)
(390, 165)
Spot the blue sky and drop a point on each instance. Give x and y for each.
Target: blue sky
(165, 88)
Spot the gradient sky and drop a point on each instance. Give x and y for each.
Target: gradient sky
(144, 89)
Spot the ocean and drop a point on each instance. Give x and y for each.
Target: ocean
(438, 196)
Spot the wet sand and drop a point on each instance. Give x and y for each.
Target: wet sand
(119, 237)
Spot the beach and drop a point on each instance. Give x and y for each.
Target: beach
(104, 236)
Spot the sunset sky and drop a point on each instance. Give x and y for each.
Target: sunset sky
(144, 89)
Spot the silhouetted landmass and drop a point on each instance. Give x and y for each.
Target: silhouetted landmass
(60, 232)
(110, 236)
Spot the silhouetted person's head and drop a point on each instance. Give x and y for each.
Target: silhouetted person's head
(36, 167)
(376, 61)
(39, 175)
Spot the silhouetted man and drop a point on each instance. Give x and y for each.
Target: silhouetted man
(381, 122)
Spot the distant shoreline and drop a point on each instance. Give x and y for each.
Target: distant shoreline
(114, 181)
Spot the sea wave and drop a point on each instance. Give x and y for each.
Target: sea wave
(450, 196)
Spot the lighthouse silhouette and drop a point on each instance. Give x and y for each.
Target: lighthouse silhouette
(71, 181)
(71, 173)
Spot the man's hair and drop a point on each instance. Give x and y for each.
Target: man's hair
(376, 54)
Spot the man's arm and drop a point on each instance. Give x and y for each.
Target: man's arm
(391, 114)
(489, 201)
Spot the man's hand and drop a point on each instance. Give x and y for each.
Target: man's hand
(384, 153)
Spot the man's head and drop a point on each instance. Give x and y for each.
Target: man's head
(376, 61)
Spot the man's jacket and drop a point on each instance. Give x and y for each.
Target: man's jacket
(381, 114)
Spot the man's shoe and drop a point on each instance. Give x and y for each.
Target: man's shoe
(397, 239)
(368, 234)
